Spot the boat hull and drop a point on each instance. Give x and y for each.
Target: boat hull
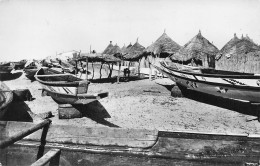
(6, 97)
(72, 99)
(241, 88)
(29, 73)
(102, 146)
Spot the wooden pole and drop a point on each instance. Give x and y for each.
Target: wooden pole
(76, 68)
(139, 68)
(101, 69)
(93, 70)
(52, 156)
(86, 68)
(118, 77)
(150, 72)
(22, 134)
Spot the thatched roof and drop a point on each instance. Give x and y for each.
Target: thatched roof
(108, 48)
(97, 57)
(196, 48)
(164, 44)
(114, 50)
(133, 53)
(238, 46)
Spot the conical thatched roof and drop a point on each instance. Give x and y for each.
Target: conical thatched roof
(123, 48)
(238, 46)
(196, 48)
(134, 52)
(164, 44)
(108, 49)
(114, 50)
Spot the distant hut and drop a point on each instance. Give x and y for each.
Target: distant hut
(108, 48)
(133, 54)
(163, 47)
(197, 52)
(241, 55)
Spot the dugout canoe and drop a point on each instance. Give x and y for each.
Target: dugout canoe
(65, 88)
(226, 84)
(104, 146)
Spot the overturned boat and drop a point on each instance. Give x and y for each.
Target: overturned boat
(6, 97)
(65, 88)
(226, 84)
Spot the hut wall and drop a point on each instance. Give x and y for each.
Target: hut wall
(248, 63)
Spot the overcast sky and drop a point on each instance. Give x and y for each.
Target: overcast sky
(36, 29)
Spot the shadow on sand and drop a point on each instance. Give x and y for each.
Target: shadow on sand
(10, 76)
(235, 105)
(96, 112)
(18, 111)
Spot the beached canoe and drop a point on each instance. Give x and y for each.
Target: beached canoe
(30, 69)
(6, 68)
(19, 65)
(102, 146)
(6, 97)
(65, 88)
(226, 84)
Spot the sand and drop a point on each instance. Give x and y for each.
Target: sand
(141, 104)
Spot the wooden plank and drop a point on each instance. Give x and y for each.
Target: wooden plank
(90, 136)
(51, 156)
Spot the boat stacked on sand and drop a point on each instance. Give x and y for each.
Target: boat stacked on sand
(6, 97)
(65, 88)
(6, 68)
(31, 67)
(227, 84)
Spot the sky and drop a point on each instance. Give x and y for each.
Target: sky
(40, 28)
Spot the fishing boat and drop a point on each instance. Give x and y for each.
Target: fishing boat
(6, 97)
(76, 145)
(226, 84)
(19, 65)
(31, 67)
(6, 68)
(65, 88)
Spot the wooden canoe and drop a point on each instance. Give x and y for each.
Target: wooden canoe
(118, 146)
(65, 88)
(6, 68)
(6, 97)
(226, 84)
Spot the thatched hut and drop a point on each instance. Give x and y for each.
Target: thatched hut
(134, 53)
(241, 55)
(163, 47)
(197, 52)
(108, 48)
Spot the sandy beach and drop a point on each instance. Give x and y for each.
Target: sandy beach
(138, 104)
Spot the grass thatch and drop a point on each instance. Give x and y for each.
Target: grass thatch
(238, 46)
(197, 49)
(108, 48)
(241, 55)
(248, 63)
(97, 57)
(163, 45)
(133, 53)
